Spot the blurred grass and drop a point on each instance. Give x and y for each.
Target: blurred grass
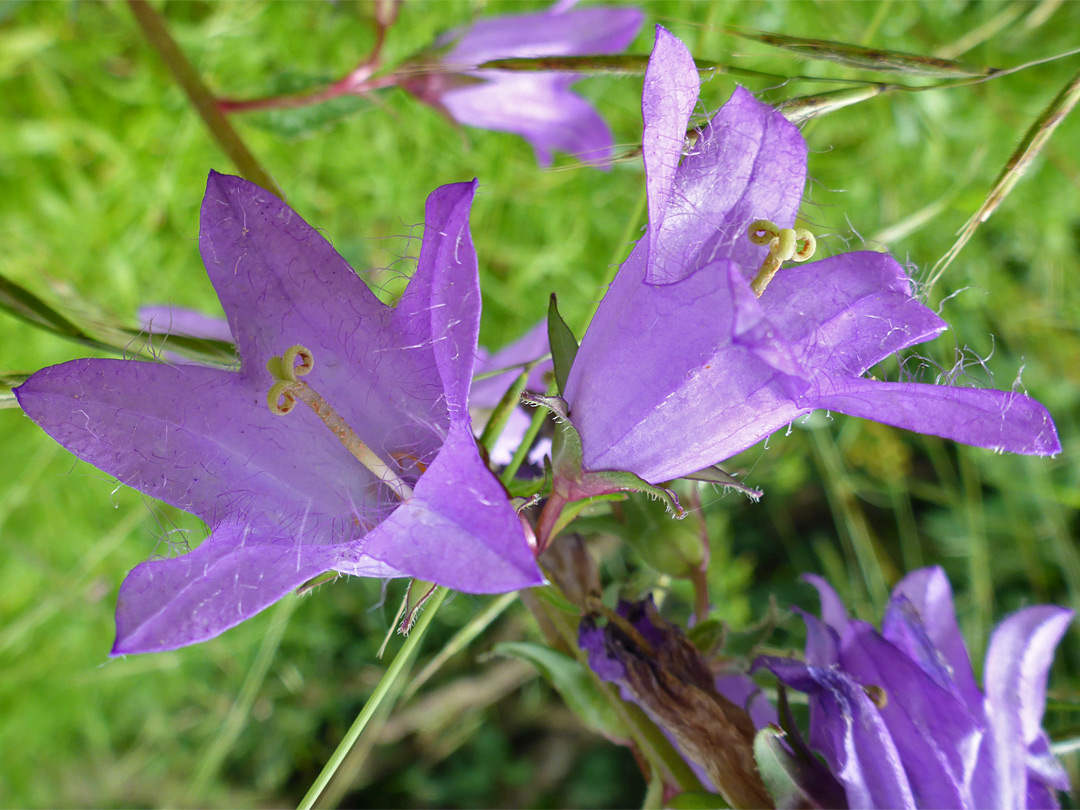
(102, 165)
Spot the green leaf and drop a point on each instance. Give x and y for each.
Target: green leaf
(857, 56)
(780, 770)
(564, 345)
(696, 801)
(579, 691)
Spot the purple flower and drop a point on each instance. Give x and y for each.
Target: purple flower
(897, 714)
(683, 366)
(374, 473)
(538, 106)
(487, 392)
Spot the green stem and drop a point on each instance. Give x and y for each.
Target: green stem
(522, 451)
(392, 672)
(153, 28)
(460, 641)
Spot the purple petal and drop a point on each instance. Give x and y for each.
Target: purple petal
(929, 592)
(537, 107)
(459, 528)
(442, 302)
(169, 320)
(822, 641)
(746, 694)
(847, 730)
(1040, 797)
(664, 402)
(670, 93)
(231, 576)
(846, 313)
(281, 283)
(1017, 665)
(554, 32)
(204, 441)
(1000, 420)
(833, 612)
(487, 392)
(748, 164)
(937, 737)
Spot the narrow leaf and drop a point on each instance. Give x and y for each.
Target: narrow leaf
(857, 56)
(564, 345)
(803, 108)
(780, 770)
(1019, 162)
(581, 693)
(496, 423)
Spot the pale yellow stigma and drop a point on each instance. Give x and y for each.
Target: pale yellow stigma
(281, 399)
(785, 244)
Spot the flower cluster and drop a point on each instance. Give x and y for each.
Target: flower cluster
(897, 714)
(342, 438)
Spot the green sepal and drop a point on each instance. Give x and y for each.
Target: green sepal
(714, 475)
(564, 345)
(572, 483)
(581, 693)
(575, 508)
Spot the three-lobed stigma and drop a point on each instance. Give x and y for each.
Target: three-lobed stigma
(287, 389)
(785, 244)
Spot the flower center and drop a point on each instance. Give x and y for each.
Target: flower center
(784, 244)
(287, 389)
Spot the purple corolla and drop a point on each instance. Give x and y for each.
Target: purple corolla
(897, 714)
(538, 106)
(374, 472)
(684, 366)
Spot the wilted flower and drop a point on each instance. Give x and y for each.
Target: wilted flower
(376, 473)
(538, 106)
(684, 365)
(897, 714)
(711, 719)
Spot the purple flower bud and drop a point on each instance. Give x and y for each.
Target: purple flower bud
(377, 474)
(897, 714)
(538, 106)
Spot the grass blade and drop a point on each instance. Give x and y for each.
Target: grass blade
(862, 58)
(395, 669)
(1034, 140)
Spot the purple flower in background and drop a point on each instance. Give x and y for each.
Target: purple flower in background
(538, 106)
(684, 366)
(487, 392)
(375, 472)
(897, 714)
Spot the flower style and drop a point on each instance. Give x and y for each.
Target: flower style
(897, 714)
(684, 366)
(538, 106)
(374, 473)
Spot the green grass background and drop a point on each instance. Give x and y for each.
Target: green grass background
(102, 168)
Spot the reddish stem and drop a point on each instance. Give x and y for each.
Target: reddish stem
(358, 81)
